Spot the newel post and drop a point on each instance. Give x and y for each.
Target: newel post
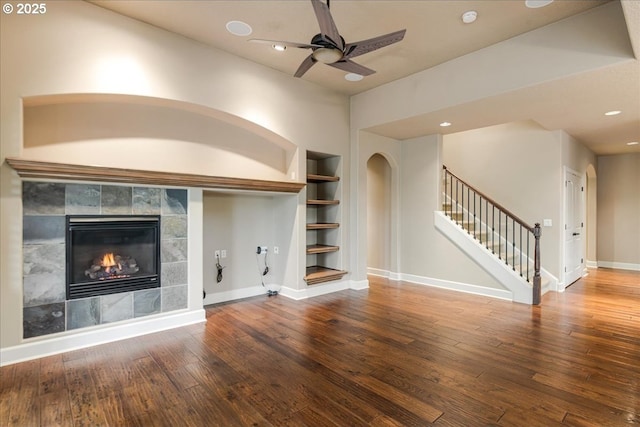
(537, 286)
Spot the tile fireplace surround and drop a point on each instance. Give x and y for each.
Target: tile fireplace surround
(45, 204)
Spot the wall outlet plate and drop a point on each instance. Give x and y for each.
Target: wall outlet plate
(547, 223)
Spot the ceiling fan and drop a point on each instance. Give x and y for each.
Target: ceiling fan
(329, 47)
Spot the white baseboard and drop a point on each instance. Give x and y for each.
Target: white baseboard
(235, 294)
(384, 273)
(619, 265)
(378, 272)
(459, 287)
(443, 284)
(317, 290)
(592, 264)
(359, 285)
(74, 340)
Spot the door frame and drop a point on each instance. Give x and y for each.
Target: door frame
(566, 170)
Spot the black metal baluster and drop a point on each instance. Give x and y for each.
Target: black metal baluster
(528, 258)
(520, 248)
(513, 245)
(499, 233)
(493, 228)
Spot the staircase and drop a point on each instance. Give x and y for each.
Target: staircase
(504, 245)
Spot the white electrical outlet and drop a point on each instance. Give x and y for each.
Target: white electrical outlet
(216, 254)
(223, 253)
(276, 250)
(547, 223)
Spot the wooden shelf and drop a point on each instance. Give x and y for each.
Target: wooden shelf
(322, 225)
(322, 178)
(49, 170)
(321, 249)
(318, 274)
(317, 202)
(323, 192)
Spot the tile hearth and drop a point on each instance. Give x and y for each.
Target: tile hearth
(45, 204)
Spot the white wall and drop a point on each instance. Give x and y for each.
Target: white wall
(425, 252)
(238, 223)
(151, 137)
(619, 211)
(80, 54)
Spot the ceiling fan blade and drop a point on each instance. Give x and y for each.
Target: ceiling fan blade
(284, 43)
(304, 67)
(365, 46)
(328, 27)
(352, 67)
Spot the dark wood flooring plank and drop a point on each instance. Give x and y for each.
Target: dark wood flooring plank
(399, 354)
(24, 405)
(55, 409)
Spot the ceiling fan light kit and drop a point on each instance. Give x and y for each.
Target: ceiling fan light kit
(328, 47)
(327, 55)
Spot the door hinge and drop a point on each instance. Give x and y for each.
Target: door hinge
(565, 269)
(581, 260)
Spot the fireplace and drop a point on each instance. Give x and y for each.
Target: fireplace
(111, 254)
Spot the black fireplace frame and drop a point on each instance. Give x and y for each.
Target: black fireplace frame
(112, 286)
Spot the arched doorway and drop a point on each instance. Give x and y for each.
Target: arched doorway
(379, 233)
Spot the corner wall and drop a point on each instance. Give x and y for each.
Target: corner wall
(619, 211)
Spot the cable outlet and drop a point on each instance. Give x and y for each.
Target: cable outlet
(261, 249)
(276, 250)
(216, 254)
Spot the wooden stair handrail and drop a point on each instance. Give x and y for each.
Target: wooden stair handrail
(489, 199)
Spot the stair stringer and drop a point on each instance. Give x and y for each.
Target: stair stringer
(521, 290)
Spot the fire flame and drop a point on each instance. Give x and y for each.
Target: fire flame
(108, 260)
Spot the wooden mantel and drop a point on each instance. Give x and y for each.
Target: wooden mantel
(49, 170)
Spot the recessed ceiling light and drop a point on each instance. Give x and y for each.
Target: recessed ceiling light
(534, 4)
(612, 113)
(445, 124)
(239, 28)
(633, 143)
(469, 16)
(279, 47)
(353, 77)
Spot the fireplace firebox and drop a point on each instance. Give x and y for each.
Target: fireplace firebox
(111, 254)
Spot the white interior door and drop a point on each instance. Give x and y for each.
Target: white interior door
(573, 228)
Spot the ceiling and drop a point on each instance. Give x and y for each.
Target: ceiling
(435, 34)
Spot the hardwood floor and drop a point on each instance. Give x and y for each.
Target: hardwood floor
(395, 355)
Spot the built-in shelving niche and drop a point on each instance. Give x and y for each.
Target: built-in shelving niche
(323, 213)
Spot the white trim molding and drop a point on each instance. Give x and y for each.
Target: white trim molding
(317, 290)
(459, 287)
(619, 265)
(60, 343)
